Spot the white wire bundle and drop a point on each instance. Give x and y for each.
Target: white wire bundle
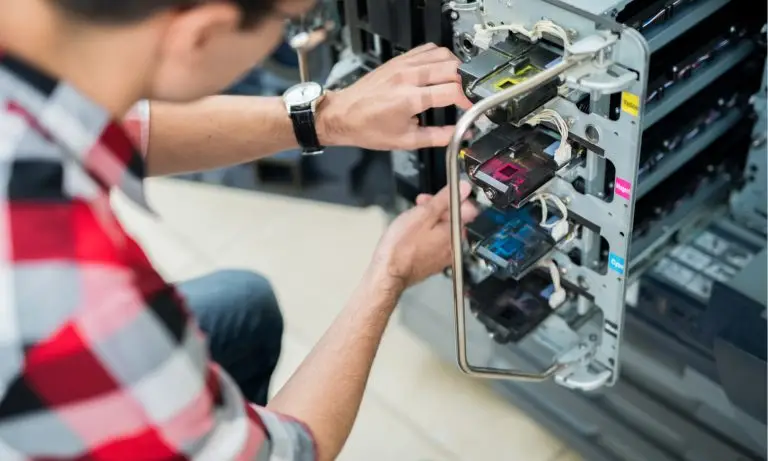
(563, 151)
(484, 33)
(558, 295)
(542, 199)
(551, 28)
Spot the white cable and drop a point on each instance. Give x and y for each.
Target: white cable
(555, 274)
(542, 198)
(564, 151)
(484, 33)
(557, 298)
(553, 29)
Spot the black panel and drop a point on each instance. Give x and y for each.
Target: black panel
(392, 20)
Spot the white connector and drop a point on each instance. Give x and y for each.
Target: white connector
(564, 152)
(483, 36)
(557, 298)
(563, 221)
(563, 155)
(560, 230)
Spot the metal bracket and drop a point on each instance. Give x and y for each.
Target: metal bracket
(577, 373)
(602, 82)
(454, 174)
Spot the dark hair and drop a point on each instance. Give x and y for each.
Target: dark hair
(126, 11)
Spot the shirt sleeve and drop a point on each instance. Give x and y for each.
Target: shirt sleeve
(136, 124)
(113, 363)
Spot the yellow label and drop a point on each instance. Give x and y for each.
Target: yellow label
(519, 77)
(630, 103)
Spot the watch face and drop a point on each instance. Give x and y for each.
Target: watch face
(302, 94)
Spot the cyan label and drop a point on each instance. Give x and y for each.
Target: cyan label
(616, 263)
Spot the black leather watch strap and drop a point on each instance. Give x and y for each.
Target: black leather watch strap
(305, 130)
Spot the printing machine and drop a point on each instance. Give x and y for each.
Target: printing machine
(614, 286)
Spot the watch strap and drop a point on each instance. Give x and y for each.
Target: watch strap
(305, 130)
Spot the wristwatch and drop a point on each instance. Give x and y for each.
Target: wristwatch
(301, 102)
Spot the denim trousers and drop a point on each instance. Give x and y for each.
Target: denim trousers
(239, 313)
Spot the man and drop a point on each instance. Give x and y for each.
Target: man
(99, 359)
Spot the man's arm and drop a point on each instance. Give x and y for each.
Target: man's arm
(378, 112)
(326, 391)
(215, 132)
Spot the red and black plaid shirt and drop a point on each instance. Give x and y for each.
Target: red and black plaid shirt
(99, 359)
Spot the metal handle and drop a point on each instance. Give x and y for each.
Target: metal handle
(452, 162)
(307, 41)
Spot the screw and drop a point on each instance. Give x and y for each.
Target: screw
(582, 346)
(490, 194)
(570, 121)
(571, 33)
(454, 15)
(593, 337)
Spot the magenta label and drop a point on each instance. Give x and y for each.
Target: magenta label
(623, 188)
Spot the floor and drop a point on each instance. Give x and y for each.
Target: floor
(417, 407)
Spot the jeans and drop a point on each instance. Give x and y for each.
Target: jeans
(239, 313)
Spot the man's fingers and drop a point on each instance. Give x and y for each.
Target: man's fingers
(427, 136)
(468, 209)
(433, 74)
(437, 54)
(441, 202)
(422, 199)
(419, 49)
(468, 213)
(443, 95)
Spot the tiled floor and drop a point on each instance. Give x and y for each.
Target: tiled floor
(427, 409)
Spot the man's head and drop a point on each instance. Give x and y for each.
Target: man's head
(185, 49)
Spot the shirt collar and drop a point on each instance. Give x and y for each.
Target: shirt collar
(85, 132)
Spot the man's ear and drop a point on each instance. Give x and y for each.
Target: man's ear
(191, 31)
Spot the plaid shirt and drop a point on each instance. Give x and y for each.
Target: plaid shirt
(99, 358)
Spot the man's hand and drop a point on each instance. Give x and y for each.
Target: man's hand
(418, 243)
(379, 111)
